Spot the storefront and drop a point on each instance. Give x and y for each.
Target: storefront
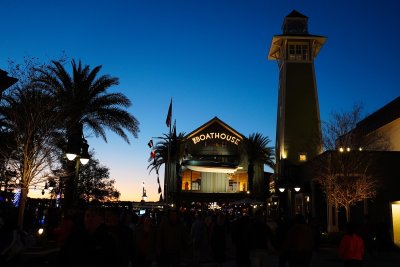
(214, 167)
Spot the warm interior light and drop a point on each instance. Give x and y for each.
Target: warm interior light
(84, 161)
(396, 222)
(71, 156)
(302, 157)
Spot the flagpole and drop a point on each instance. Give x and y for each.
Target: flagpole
(167, 185)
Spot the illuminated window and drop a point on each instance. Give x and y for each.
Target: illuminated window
(196, 185)
(302, 157)
(233, 186)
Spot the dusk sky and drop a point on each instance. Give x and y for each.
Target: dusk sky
(209, 57)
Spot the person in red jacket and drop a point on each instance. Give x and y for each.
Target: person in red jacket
(351, 248)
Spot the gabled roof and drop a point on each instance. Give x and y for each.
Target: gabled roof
(215, 120)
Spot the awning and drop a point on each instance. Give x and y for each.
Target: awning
(210, 166)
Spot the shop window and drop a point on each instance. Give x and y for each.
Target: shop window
(196, 185)
(233, 186)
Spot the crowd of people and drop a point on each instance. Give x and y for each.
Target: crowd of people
(99, 236)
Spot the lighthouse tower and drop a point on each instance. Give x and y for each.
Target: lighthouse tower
(298, 132)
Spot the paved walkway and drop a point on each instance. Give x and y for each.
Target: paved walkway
(325, 257)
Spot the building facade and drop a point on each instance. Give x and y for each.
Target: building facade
(214, 167)
(383, 128)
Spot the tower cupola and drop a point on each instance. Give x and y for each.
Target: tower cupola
(295, 23)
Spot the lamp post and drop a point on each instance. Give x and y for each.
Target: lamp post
(77, 150)
(289, 203)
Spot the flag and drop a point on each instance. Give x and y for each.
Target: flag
(153, 154)
(169, 115)
(150, 143)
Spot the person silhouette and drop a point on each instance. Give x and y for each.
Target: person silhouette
(351, 247)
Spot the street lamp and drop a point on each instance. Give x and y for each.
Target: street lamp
(78, 150)
(83, 155)
(289, 187)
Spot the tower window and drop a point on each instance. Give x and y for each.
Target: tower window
(298, 52)
(303, 157)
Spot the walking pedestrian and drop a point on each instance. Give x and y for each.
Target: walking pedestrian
(351, 247)
(145, 238)
(259, 238)
(299, 243)
(218, 239)
(171, 240)
(199, 238)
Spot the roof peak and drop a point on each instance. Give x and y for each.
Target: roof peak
(296, 14)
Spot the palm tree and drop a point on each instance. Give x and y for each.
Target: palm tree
(258, 153)
(82, 99)
(169, 151)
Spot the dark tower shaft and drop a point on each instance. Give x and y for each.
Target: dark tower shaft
(298, 132)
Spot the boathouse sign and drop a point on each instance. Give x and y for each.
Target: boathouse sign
(216, 135)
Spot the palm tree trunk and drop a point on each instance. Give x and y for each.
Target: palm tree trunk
(250, 174)
(178, 184)
(69, 186)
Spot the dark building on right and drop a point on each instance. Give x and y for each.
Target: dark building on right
(378, 164)
(300, 157)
